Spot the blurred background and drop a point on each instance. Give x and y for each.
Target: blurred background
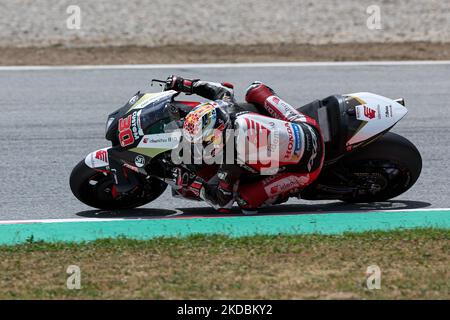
(133, 31)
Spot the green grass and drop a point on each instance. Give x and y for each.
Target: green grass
(414, 264)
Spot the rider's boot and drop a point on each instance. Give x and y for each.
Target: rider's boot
(218, 197)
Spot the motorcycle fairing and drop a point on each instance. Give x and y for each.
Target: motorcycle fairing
(150, 108)
(153, 144)
(98, 159)
(152, 98)
(374, 113)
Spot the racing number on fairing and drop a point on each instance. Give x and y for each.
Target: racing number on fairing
(125, 133)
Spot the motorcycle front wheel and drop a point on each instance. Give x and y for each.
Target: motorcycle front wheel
(96, 189)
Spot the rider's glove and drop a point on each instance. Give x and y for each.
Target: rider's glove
(180, 84)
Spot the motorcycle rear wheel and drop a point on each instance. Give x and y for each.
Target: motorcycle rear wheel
(392, 164)
(95, 189)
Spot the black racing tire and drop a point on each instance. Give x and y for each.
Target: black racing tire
(392, 159)
(93, 188)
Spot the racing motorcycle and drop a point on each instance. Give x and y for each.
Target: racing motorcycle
(364, 162)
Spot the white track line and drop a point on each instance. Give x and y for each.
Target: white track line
(61, 220)
(227, 65)
(5, 222)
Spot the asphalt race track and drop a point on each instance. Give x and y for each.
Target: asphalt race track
(50, 119)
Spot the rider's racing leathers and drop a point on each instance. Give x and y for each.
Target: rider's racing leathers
(301, 146)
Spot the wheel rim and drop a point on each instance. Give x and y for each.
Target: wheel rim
(377, 177)
(102, 186)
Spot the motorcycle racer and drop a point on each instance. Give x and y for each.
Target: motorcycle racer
(301, 143)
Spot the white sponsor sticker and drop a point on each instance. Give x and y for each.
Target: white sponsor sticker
(139, 161)
(161, 140)
(365, 113)
(285, 184)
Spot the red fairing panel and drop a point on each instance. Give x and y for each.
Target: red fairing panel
(191, 104)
